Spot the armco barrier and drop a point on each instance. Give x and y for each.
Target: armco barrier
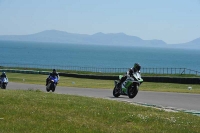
(89, 76)
(145, 78)
(24, 71)
(172, 80)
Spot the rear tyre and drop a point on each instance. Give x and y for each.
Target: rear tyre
(132, 91)
(116, 91)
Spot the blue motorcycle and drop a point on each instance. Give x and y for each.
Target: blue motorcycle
(3, 82)
(52, 82)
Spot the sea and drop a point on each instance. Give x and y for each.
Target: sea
(101, 56)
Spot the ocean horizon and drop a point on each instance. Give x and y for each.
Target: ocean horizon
(100, 56)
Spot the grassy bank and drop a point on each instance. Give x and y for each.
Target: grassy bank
(104, 84)
(35, 111)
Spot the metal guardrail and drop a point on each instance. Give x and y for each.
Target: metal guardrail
(24, 71)
(170, 71)
(105, 70)
(145, 78)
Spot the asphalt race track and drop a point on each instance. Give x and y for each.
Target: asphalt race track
(173, 101)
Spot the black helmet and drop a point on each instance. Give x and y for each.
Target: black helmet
(137, 66)
(54, 70)
(3, 73)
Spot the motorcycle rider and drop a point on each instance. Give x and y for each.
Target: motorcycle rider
(53, 74)
(3, 75)
(130, 72)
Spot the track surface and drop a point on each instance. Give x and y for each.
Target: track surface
(177, 101)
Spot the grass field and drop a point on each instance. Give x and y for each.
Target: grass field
(35, 111)
(104, 84)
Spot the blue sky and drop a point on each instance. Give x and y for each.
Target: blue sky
(173, 21)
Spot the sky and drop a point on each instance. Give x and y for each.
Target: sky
(173, 21)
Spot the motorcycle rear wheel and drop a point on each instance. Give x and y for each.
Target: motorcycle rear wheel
(116, 91)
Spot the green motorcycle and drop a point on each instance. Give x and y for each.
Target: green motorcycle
(129, 87)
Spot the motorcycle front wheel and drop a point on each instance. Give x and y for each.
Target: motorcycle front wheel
(48, 87)
(4, 86)
(52, 87)
(132, 91)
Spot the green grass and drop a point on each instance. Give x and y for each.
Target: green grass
(36, 111)
(103, 84)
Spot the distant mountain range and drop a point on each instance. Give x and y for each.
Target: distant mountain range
(96, 39)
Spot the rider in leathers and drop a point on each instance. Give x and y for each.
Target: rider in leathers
(53, 74)
(130, 72)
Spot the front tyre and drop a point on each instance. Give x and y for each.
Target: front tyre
(116, 91)
(53, 89)
(4, 86)
(48, 87)
(132, 91)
